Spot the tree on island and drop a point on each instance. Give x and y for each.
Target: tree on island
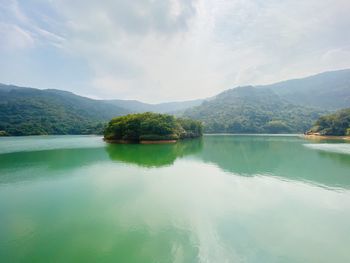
(336, 124)
(151, 127)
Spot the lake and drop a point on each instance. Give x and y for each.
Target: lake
(224, 198)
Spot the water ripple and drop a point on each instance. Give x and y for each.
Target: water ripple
(343, 148)
(40, 143)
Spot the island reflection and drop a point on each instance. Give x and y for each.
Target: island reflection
(285, 157)
(153, 155)
(288, 158)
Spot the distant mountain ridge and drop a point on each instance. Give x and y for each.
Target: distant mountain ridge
(328, 90)
(133, 106)
(287, 106)
(166, 107)
(30, 111)
(253, 110)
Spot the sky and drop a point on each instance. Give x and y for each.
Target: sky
(168, 50)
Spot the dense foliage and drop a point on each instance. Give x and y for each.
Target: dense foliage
(328, 90)
(153, 155)
(134, 106)
(26, 111)
(286, 107)
(252, 110)
(337, 124)
(151, 126)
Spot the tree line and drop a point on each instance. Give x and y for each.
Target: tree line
(151, 126)
(337, 124)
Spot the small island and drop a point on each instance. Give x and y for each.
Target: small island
(332, 126)
(150, 128)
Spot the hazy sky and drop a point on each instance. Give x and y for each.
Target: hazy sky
(163, 50)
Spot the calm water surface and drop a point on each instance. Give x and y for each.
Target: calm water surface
(218, 199)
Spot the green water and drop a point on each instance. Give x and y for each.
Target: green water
(218, 199)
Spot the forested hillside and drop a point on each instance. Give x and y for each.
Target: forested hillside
(328, 90)
(337, 124)
(27, 111)
(150, 126)
(253, 110)
(284, 107)
(167, 107)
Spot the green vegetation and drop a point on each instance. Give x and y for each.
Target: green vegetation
(328, 90)
(286, 107)
(152, 127)
(336, 124)
(3, 133)
(252, 110)
(156, 155)
(134, 106)
(26, 111)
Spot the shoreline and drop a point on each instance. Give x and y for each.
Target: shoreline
(140, 142)
(158, 142)
(325, 137)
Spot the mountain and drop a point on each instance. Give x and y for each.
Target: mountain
(167, 107)
(283, 107)
(27, 111)
(252, 110)
(328, 90)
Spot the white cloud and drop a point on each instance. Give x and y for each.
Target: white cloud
(14, 37)
(157, 50)
(24, 30)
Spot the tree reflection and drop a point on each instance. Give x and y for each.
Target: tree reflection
(153, 155)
